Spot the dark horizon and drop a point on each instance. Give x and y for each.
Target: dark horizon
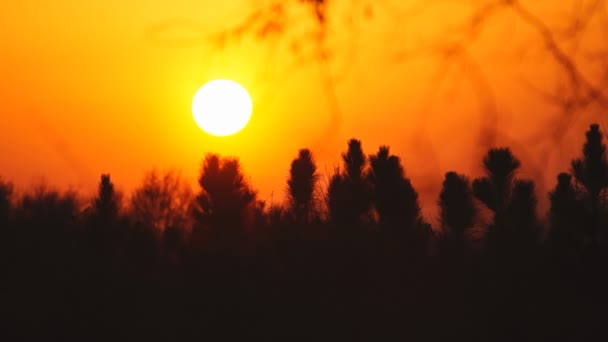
(357, 261)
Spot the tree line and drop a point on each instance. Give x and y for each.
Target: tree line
(353, 260)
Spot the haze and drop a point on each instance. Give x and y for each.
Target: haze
(106, 87)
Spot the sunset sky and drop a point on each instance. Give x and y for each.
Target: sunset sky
(91, 87)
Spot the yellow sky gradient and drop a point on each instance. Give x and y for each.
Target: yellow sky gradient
(106, 86)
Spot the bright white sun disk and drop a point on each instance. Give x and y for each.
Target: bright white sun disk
(222, 107)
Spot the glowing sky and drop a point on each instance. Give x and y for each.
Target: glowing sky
(92, 87)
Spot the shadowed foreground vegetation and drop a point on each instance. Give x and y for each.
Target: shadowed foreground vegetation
(355, 260)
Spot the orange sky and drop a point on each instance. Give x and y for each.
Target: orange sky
(92, 87)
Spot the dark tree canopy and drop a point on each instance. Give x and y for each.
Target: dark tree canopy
(354, 161)
(372, 270)
(591, 172)
(512, 202)
(394, 197)
(567, 217)
(592, 169)
(494, 190)
(162, 201)
(225, 196)
(348, 194)
(523, 222)
(301, 186)
(48, 209)
(458, 211)
(6, 194)
(107, 202)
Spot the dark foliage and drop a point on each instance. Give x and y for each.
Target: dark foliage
(224, 205)
(224, 266)
(507, 197)
(301, 186)
(457, 213)
(494, 190)
(162, 201)
(107, 202)
(522, 222)
(394, 198)
(395, 201)
(6, 193)
(567, 237)
(225, 195)
(591, 171)
(348, 194)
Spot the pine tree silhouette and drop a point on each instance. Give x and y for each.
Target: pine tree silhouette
(6, 193)
(225, 198)
(457, 210)
(349, 196)
(523, 229)
(494, 190)
(301, 186)
(567, 218)
(354, 161)
(337, 199)
(104, 226)
(107, 202)
(67, 283)
(591, 171)
(394, 198)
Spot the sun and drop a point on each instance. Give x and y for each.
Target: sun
(222, 107)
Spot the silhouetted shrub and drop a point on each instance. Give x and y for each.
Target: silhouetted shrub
(567, 233)
(108, 202)
(248, 270)
(457, 211)
(6, 198)
(301, 186)
(591, 171)
(225, 202)
(349, 193)
(162, 201)
(495, 189)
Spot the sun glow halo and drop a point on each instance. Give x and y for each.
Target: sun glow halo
(222, 107)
